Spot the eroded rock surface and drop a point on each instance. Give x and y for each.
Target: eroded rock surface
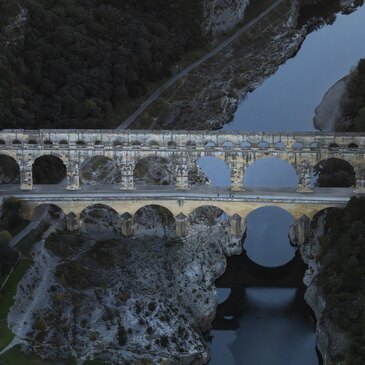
(146, 298)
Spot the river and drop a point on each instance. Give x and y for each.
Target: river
(276, 326)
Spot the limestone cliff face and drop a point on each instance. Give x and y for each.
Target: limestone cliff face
(222, 15)
(329, 340)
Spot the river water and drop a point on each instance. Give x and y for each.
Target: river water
(276, 326)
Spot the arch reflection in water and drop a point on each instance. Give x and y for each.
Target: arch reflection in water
(274, 330)
(267, 241)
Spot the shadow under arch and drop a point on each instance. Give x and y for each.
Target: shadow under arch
(271, 173)
(9, 170)
(48, 169)
(334, 173)
(101, 216)
(99, 169)
(154, 170)
(208, 214)
(154, 220)
(210, 169)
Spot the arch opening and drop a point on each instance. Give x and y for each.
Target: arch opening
(154, 220)
(48, 169)
(267, 242)
(208, 214)
(100, 219)
(153, 170)
(100, 170)
(9, 170)
(334, 173)
(210, 171)
(271, 173)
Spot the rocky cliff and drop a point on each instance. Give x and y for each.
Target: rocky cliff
(147, 299)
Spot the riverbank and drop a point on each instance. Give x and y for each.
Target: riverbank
(329, 112)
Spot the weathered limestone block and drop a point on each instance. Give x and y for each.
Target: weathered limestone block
(304, 171)
(127, 180)
(181, 225)
(299, 232)
(127, 224)
(237, 229)
(73, 175)
(182, 177)
(72, 222)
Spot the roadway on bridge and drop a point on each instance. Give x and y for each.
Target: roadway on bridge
(113, 192)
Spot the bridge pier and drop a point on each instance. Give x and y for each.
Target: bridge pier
(304, 171)
(237, 175)
(360, 181)
(73, 175)
(127, 224)
(182, 177)
(181, 225)
(72, 222)
(236, 227)
(127, 169)
(26, 177)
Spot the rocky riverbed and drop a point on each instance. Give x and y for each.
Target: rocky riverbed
(146, 299)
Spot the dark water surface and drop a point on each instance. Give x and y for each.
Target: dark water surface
(287, 100)
(276, 327)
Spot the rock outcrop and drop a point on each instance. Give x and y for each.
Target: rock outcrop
(330, 341)
(222, 15)
(147, 299)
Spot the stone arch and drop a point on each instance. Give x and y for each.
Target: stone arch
(210, 170)
(267, 242)
(297, 146)
(2, 142)
(49, 169)
(80, 144)
(101, 217)
(32, 142)
(54, 210)
(263, 145)
(210, 145)
(334, 172)
(9, 170)
(48, 143)
(280, 145)
(100, 169)
(172, 144)
(209, 214)
(227, 145)
(16, 142)
(246, 145)
(153, 144)
(154, 220)
(63, 144)
(154, 170)
(271, 172)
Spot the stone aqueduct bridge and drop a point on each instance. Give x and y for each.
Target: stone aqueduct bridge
(238, 150)
(126, 148)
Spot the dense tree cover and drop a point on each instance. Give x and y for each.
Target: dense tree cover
(10, 221)
(354, 104)
(73, 63)
(342, 275)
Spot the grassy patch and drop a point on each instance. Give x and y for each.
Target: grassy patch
(15, 357)
(7, 300)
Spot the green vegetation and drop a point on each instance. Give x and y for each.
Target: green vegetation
(354, 104)
(76, 63)
(7, 299)
(16, 357)
(342, 275)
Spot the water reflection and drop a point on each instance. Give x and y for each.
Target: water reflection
(274, 330)
(267, 241)
(287, 100)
